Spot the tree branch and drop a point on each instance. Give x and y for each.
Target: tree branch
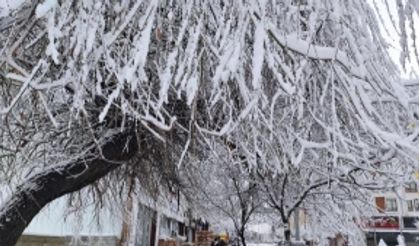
(45, 187)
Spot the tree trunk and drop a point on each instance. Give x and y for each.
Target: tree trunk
(287, 230)
(45, 187)
(242, 237)
(127, 215)
(287, 235)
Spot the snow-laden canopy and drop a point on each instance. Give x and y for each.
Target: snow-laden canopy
(284, 85)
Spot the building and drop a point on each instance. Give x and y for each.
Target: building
(157, 228)
(167, 218)
(262, 233)
(397, 213)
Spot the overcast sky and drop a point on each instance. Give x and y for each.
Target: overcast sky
(391, 35)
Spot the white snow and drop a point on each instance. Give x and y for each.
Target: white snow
(400, 240)
(261, 244)
(137, 62)
(382, 243)
(43, 8)
(294, 43)
(6, 6)
(263, 228)
(326, 101)
(258, 55)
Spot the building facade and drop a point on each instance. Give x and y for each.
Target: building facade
(397, 213)
(156, 228)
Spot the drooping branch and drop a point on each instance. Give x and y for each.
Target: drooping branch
(49, 185)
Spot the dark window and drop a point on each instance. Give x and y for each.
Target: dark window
(410, 205)
(411, 187)
(416, 202)
(182, 231)
(391, 204)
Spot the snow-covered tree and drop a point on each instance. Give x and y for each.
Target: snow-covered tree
(223, 191)
(89, 87)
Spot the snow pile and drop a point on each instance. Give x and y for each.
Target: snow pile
(400, 240)
(382, 243)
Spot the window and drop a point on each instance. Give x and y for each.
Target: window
(182, 229)
(410, 205)
(411, 187)
(391, 205)
(380, 204)
(413, 205)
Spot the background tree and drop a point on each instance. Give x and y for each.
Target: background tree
(224, 191)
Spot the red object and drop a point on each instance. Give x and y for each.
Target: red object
(385, 223)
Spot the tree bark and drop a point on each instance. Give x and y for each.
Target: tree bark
(39, 190)
(242, 237)
(287, 235)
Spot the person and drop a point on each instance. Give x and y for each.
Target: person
(218, 241)
(221, 242)
(215, 241)
(223, 239)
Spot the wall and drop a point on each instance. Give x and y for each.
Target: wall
(32, 240)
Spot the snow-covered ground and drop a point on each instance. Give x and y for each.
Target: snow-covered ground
(261, 244)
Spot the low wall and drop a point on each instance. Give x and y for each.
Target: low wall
(32, 240)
